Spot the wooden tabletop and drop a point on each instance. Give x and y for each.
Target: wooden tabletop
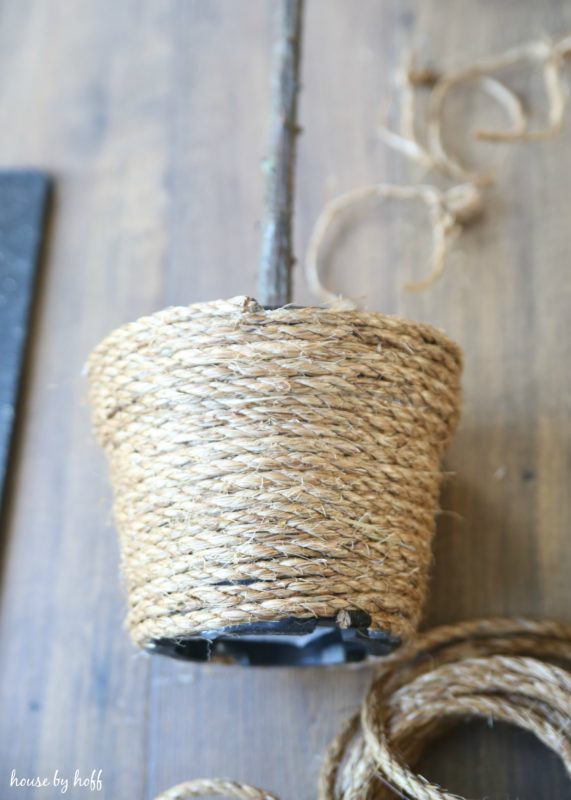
(151, 116)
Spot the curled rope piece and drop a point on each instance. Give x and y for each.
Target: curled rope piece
(434, 156)
(496, 669)
(448, 211)
(551, 57)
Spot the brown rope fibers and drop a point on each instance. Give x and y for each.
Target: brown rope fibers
(496, 669)
(273, 464)
(452, 209)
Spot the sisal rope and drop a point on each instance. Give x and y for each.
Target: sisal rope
(273, 464)
(450, 211)
(495, 669)
(216, 787)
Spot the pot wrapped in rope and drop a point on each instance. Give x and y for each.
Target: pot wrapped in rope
(274, 470)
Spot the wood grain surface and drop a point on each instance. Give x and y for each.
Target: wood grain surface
(151, 115)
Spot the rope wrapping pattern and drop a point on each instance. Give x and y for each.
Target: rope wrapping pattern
(273, 464)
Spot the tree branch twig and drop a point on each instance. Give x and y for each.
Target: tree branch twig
(277, 259)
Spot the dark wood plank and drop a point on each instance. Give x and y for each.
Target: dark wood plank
(152, 116)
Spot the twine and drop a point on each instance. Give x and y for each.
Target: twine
(494, 669)
(451, 210)
(273, 464)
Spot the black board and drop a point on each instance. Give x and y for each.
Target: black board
(23, 200)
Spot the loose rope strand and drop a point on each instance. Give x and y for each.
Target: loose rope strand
(447, 221)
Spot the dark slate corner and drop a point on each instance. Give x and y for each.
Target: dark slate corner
(23, 200)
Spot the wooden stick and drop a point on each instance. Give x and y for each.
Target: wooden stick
(277, 259)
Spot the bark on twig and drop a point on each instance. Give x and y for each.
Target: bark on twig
(276, 262)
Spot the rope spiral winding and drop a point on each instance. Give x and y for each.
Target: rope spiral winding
(494, 669)
(273, 464)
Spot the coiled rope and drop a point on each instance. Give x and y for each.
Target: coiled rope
(496, 669)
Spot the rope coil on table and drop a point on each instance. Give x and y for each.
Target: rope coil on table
(496, 669)
(273, 464)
